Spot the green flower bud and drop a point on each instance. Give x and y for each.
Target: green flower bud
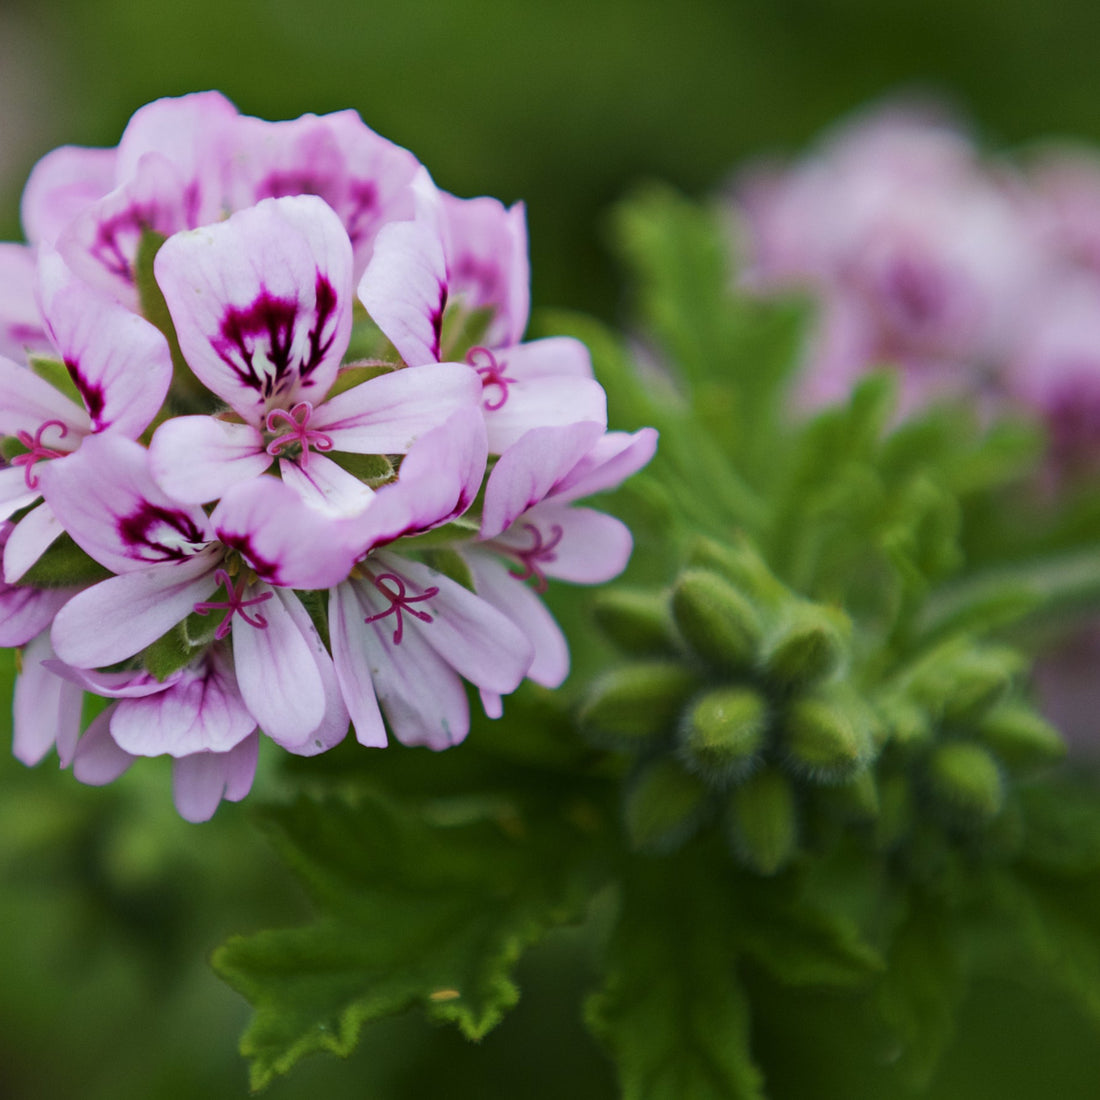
(966, 781)
(639, 623)
(904, 722)
(724, 732)
(828, 738)
(636, 703)
(664, 806)
(742, 567)
(807, 644)
(961, 680)
(762, 821)
(719, 624)
(1019, 736)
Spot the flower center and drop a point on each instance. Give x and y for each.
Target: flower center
(399, 602)
(538, 552)
(492, 374)
(37, 450)
(235, 604)
(295, 432)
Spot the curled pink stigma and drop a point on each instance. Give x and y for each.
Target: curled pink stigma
(533, 555)
(492, 374)
(36, 450)
(296, 430)
(234, 603)
(399, 602)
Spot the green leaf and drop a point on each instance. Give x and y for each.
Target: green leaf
(414, 914)
(802, 939)
(57, 374)
(923, 986)
(673, 1013)
(64, 564)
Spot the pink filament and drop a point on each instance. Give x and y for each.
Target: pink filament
(296, 423)
(36, 450)
(539, 552)
(399, 602)
(491, 374)
(234, 603)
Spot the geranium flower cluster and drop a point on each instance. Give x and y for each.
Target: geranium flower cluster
(276, 457)
(973, 276)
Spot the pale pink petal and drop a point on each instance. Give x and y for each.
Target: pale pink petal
(491, 703)
(611, 461)
(262, 302)
(326, 486)
(529, 469)
(14, 493)
(196, 133)
(420, 694)
(487, 263)
(27, 402)
(197, 458)
(61, 185)
(351, 655)
(202, 780)
(385, 415)
(539, 403)
(285, 540)
(32, 537)
(277, 672)
(120, 616)
(98, 760)
(107, 500)
(46, 708)
(508, 594)
(119, 362)
(201, 711)
(581, 545)
(552, 356)
(21, 327)
(102, 242)
(132, 684)
(473, 637)
(334, 724)
(25, 612)
(404, 289)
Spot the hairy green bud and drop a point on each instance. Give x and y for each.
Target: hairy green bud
(718, 623)
(966, 781)
(1020, 737)
(808, 643)
(638, 622)
(762, 821)
(664, 806)
(636, 703)
(724, 732)
(828, 738)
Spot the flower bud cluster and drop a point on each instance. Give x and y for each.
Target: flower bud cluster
(276, 457)
(748, 707)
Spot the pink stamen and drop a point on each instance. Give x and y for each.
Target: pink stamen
(492, 374)
(399, 602)
(37, 450)
(297, 431)
(539, 552)
(234, 604)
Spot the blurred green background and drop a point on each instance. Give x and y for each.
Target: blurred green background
(109, 905)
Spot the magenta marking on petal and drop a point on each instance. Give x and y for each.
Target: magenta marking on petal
(107, 249)
(264, 569)
(539, 552)
(399, 602)
(319, 344)
(160, 534)
(364, 203)
(92, 394)
(270, 320)
(25, 334)
(437, 320)
(279, 185)
(491, 373)
(37, 450)
(296, 423)
(234, 604)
